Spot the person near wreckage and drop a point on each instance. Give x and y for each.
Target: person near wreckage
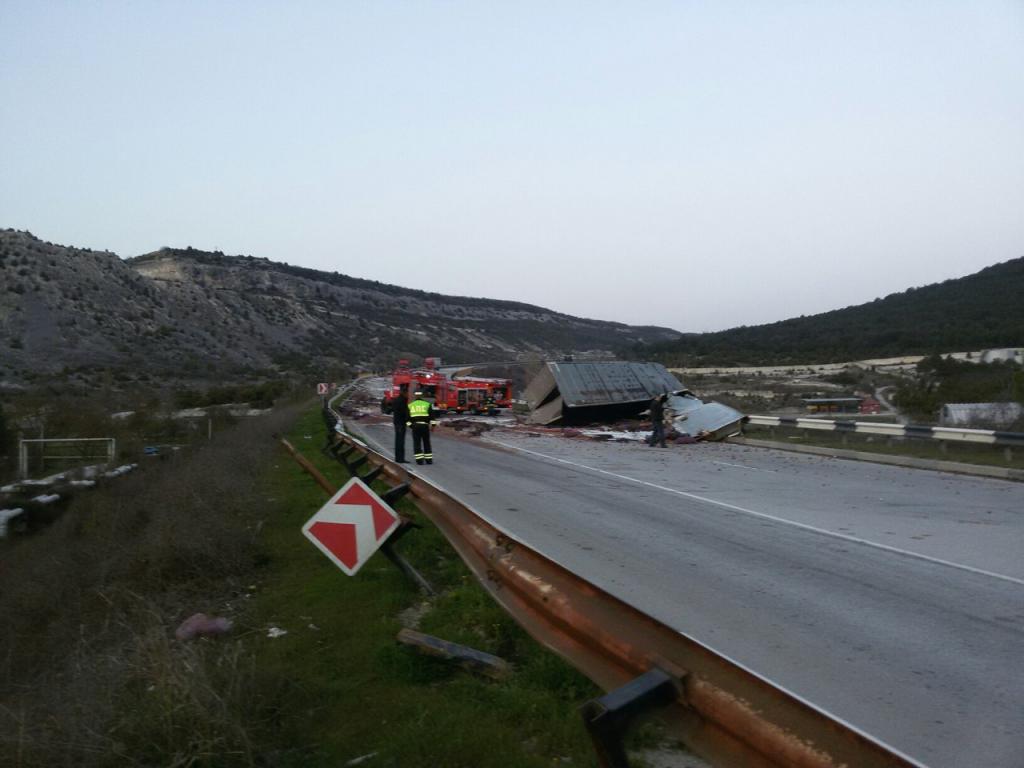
(399, 419)
(658, 421)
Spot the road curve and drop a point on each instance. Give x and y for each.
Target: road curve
(891, 597)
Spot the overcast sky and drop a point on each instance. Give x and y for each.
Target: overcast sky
(693, 165)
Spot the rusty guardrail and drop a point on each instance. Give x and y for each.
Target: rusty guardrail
(720, 709)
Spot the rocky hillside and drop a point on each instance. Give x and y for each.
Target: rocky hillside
(189, 314)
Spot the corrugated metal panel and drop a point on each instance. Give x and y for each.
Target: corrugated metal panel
(694, 417)
(547, 414)
(539, 388)
(584, 384)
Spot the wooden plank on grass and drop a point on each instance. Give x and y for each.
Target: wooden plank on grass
(470, 658)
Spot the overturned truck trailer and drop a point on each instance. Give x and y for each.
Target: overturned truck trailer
(581, 393)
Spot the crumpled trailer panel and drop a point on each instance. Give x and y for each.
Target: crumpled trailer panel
(583, 393)
(574, 393)
(707, 421)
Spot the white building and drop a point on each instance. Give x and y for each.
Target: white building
(980, 415)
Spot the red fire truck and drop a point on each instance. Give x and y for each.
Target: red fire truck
(433, 384)
(479, 395)
(470, 394)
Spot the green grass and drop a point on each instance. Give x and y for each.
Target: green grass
(968, 453)
(349, 689)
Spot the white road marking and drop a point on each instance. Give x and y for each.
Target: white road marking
(743, 466)
(765, 516)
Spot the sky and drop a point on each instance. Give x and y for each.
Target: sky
(692, 165)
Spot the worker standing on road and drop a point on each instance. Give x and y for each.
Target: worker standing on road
(658, 420)
(399, 418)
(421, 419)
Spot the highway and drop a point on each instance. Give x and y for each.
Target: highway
(892, 598)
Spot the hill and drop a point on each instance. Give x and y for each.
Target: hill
(194, 315)
(982, 310)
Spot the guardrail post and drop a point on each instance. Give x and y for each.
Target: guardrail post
(608, 718)
(388, 548)
(390, 498)
(393, 495)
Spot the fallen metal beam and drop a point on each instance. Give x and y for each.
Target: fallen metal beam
(469, 658)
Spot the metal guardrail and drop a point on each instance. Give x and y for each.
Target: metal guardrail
(719, 708)
(982, 436)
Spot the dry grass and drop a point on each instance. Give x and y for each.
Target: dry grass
(89, 674)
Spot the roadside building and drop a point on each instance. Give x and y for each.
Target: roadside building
(870, 405)
(981, 415)
(1004, 355)
(832, 404)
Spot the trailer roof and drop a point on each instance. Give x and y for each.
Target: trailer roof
(584, 384)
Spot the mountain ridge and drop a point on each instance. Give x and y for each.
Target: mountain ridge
(192, 314)
(980, 310)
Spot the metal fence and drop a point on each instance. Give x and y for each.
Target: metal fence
(955, 434)
(74, 449)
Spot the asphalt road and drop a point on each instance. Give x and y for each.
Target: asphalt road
(892, 598)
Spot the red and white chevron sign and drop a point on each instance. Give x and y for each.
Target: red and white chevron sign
(351, 526)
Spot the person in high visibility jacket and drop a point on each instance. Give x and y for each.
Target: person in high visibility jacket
(421, 419)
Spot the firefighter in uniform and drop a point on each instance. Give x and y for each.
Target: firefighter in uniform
(421, 419)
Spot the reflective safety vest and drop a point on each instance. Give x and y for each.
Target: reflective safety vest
(419, 409)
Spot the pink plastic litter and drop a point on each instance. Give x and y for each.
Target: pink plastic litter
(201, 625)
